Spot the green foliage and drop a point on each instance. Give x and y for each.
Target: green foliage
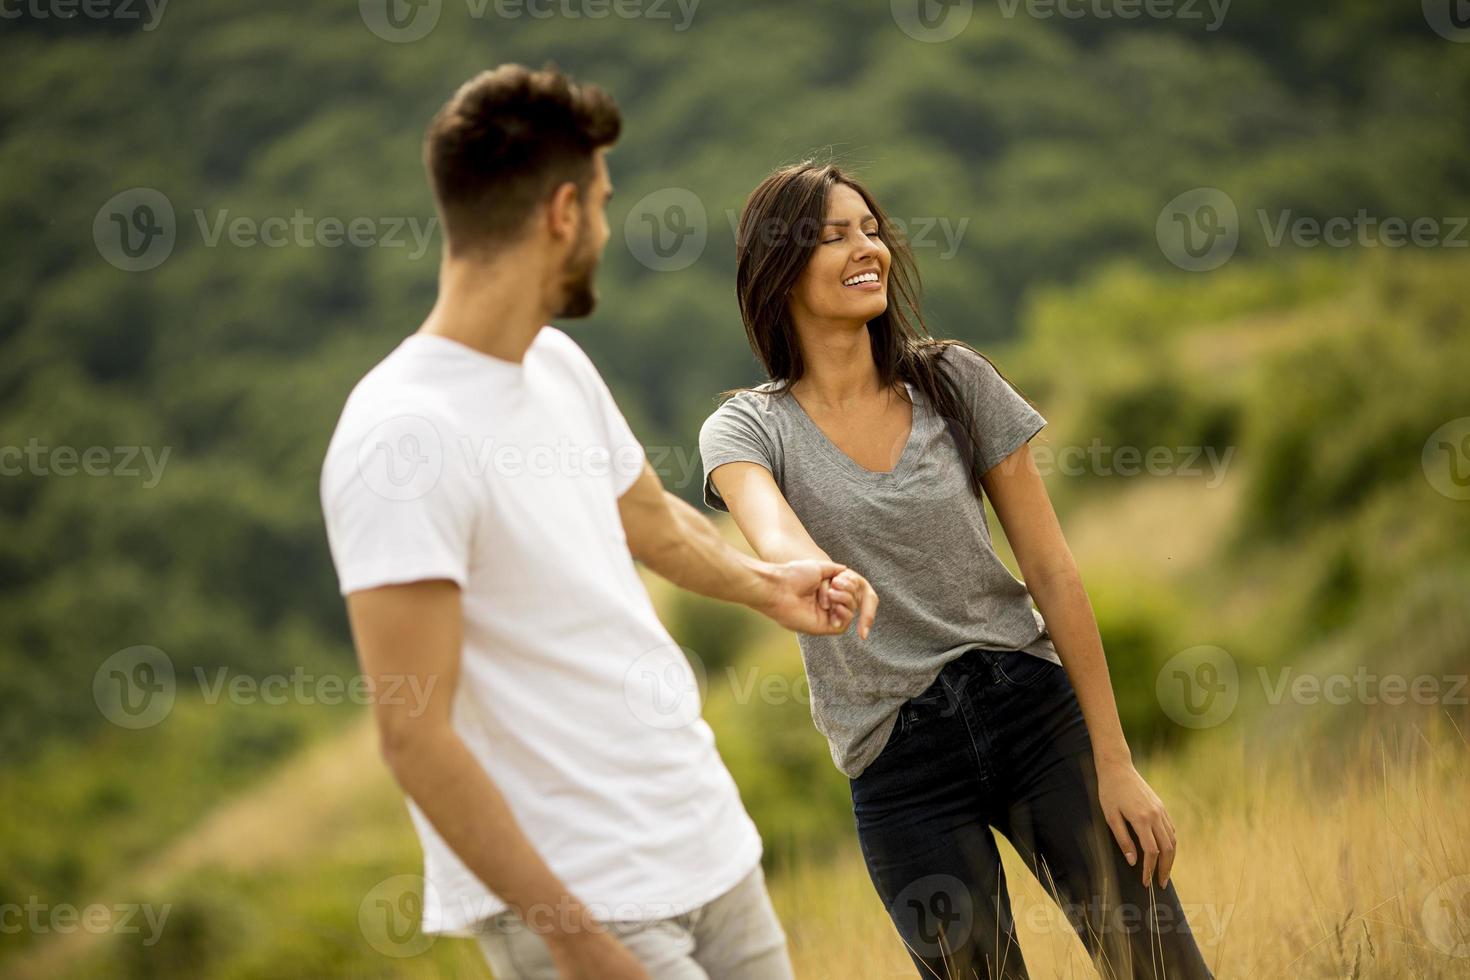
(718, 633)
(80, 813)
(794, 793)
(1338, 419)
(1021, 139)
(206, 926)
(1046, 149)
(1142, 625)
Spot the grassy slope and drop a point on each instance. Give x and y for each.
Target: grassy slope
(271, 882)
(1284, 876)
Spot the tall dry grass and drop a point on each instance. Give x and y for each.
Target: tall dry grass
(1299, 858)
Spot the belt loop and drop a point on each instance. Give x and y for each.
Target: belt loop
(984, 664)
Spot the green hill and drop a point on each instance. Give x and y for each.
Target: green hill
(161, 430)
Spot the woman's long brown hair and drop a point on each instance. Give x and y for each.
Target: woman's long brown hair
(779, 228)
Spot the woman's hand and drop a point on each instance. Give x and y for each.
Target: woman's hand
(799, 597)
(1128, 801)
(851, 593)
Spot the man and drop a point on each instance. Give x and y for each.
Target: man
(484, 501)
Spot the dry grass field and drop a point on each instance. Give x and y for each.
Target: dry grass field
(1317, 861)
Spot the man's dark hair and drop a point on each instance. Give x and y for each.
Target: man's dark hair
(505, 141)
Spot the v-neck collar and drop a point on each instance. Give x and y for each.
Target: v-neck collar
(851, 466)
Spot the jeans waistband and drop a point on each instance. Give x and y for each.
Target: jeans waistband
(974, 662)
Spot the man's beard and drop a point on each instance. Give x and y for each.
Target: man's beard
(578, 294)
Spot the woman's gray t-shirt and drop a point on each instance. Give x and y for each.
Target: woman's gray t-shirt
(917, 533)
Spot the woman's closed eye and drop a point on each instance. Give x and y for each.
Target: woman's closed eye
(871, 233)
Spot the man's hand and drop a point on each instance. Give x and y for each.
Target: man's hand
(596, 956)
(800, 597)
(677, 542)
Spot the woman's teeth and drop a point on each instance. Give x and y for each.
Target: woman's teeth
(865, 277)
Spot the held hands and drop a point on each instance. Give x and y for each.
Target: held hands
(848, 594)
(1128, 801)
(821, 598)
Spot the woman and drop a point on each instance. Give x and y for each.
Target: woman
(952, 713)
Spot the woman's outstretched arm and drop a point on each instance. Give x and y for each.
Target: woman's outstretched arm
(777, 535)
(1021, 502)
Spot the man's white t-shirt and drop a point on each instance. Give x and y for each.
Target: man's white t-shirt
(448, 463)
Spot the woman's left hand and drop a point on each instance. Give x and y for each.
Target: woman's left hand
(1128, 801)
(850, 592)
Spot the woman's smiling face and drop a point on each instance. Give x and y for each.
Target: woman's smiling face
(846, 276)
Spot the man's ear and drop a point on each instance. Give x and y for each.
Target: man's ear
(564, 212)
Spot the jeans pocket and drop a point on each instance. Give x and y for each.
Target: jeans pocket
(1019, 668)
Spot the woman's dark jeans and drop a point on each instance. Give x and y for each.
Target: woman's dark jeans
(998, 741)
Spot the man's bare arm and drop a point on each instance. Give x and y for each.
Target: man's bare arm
(413, 633)
(776, 533)
(681, 545)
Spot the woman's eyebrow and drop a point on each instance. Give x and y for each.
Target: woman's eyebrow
(845, 222)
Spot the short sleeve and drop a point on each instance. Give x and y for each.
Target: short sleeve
(399, 507)
(1004, 419)
(734, 434)
(626, 452)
